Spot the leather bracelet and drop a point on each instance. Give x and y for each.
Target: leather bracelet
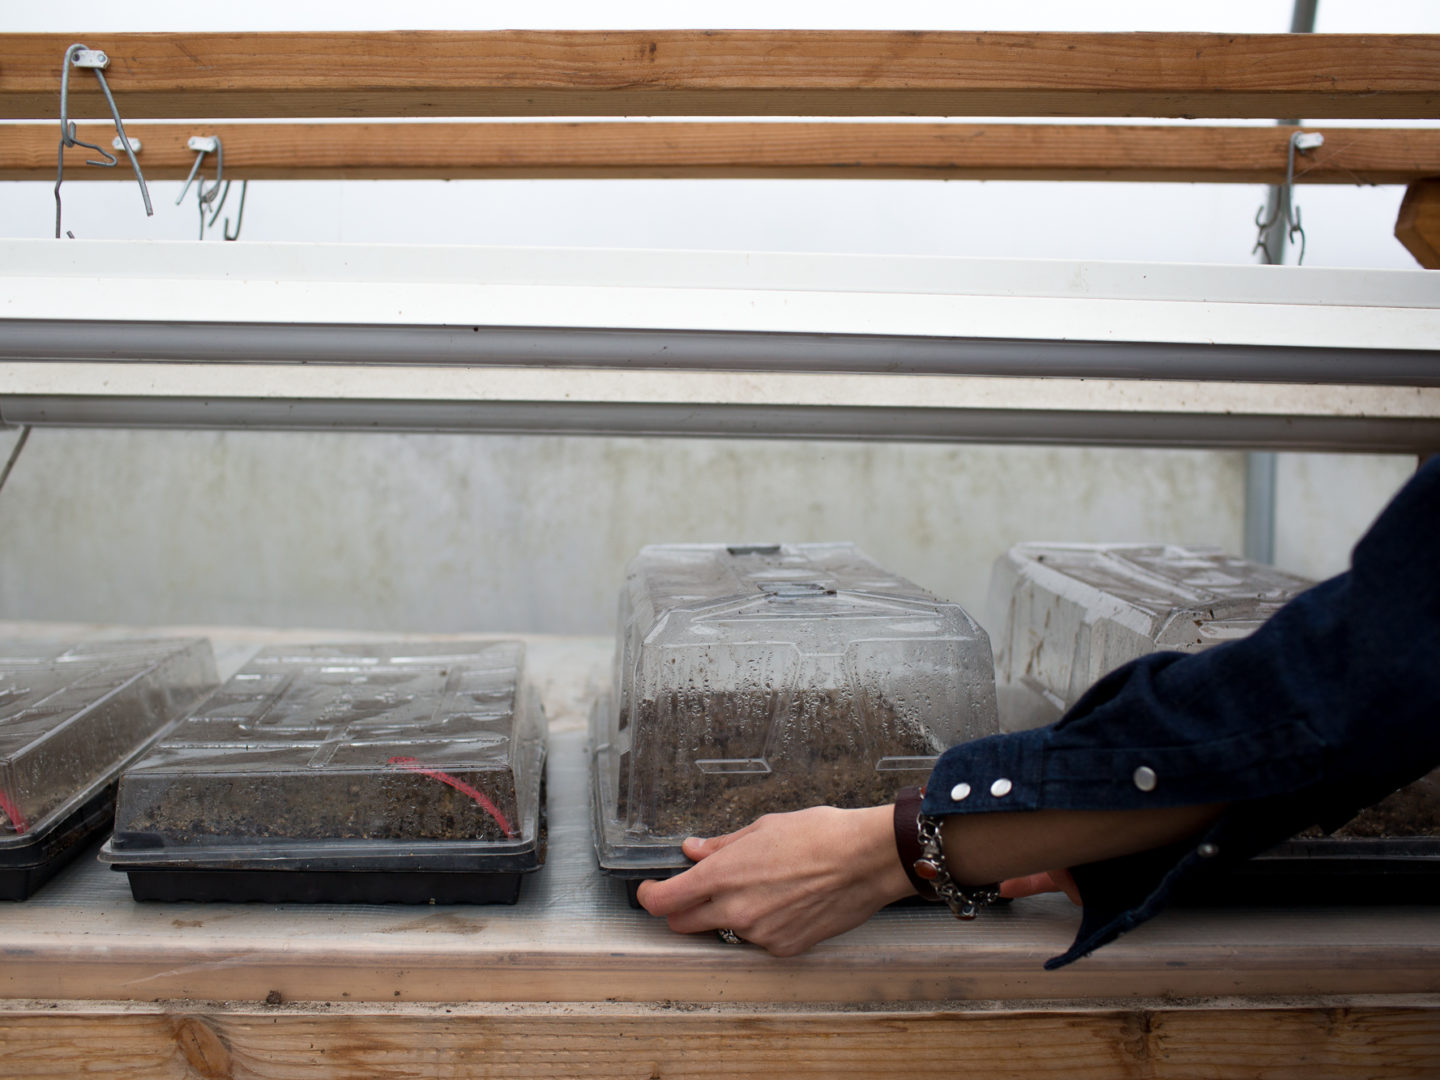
(907, 839)
(964, 902)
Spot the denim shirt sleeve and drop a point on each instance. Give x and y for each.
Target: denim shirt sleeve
(1328, 707)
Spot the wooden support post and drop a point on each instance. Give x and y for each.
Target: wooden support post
(731, 72)
(838, 150)
(1418, 225)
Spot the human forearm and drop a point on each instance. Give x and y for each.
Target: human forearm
(981, 848)
(790, 880)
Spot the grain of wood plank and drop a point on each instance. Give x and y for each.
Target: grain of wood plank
(670, 1040)
(414, 966)
(732, 72)
(1417, 226)
(734, 150)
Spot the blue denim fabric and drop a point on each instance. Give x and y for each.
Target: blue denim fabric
(1327, 708)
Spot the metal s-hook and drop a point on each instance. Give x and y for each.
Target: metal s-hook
(205, 197)
(224, 194)
(1300, 142)
(1297, 230)
(240, 216)
(80, 56)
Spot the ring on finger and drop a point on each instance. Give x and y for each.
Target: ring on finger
(729, 937)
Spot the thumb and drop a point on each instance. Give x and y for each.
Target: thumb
(701, 847)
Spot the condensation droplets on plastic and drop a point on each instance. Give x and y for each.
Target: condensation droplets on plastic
(1068, 614)
(756, 679)
(1071, 613)
(71, 716)
(384, 763)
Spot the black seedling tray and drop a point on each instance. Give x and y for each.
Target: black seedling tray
(1326, 872)
(372, 774)
(325, 886)
(25, 868)
(1299, 872)
(498, 883)
(632, 881)
(632, 887)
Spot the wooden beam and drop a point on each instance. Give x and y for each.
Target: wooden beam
(1339, 1041)
(734, 150)
(1418, 224)
(731, 72)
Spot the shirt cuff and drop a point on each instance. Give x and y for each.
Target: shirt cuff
(995, 774)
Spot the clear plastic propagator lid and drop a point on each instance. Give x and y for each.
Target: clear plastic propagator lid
(347, 757)
(71, 716)
(756, 679)
(1068, 614)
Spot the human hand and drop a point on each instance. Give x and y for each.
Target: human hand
(1047, 881)
(787, 881)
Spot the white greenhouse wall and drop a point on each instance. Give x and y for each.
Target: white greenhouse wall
(489, 533)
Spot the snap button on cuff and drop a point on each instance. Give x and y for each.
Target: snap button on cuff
(960, 792)
(1145, 778)
(1000, 788)
(1207, 851)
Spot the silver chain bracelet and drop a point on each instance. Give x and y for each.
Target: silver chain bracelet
(963, 903)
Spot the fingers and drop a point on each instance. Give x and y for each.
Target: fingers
(657, 897)
(1046, 882)
(704, 916)
(674, 894)
(786, 881)
(1029, 885)
(1065, 882)
(689, 888)
(642, 894)
(689, 909)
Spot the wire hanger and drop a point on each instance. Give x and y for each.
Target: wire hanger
(1303, 142)
(80, 56)
(215, 213)
(240, 214)
(205, 197)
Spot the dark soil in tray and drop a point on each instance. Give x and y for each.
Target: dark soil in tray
(722, 804)
(1414, 810)
(398, 805)
(823, 754)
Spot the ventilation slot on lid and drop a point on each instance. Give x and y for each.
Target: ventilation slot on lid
(791, 590)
